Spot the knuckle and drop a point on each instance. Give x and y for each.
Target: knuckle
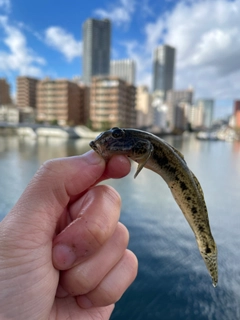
(48, 178)
(122, 235)
(47, 168)
(97, 232)
(85, 282)
(132, 263)
(78, 282)
(113, 196)
(101, 226)
(111, 296)
(109, 194)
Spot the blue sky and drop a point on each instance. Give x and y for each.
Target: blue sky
(44, 38)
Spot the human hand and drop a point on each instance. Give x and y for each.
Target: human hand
(62, 250)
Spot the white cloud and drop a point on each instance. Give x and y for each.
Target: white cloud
(119, 13)
(25, 27)
(5, 5)
(143, 60)
(64, 42)
(210, 37)
(19, 57)
(146, 8)
(206, 36)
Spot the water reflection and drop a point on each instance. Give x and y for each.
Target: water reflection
(21, 157)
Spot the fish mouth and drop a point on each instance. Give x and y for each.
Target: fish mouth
(94, 146)
(97, 147)
(100, 149)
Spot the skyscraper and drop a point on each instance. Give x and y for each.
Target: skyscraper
(163, 69)
(124, 69)
(206, 107)
(96, 48)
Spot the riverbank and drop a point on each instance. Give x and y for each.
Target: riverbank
(224, 133)
(36, 130)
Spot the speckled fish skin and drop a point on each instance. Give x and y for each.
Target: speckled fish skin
(151, 152)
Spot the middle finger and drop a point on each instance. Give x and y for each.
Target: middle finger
(84, 277)
(94, 219)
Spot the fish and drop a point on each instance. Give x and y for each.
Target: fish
(154, 153)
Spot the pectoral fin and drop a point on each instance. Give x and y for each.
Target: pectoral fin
(143, 161)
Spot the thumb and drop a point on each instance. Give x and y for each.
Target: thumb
(48, 194)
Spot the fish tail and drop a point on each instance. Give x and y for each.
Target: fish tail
(209, 255)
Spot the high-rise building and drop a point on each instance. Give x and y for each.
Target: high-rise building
(124, 69)
(4, 92)
(179, 103)
(163, 69)
(112, 103)
(60, 101)
(206, 107)
(96, 48)
(26, 92)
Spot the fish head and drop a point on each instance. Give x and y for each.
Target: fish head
(119, 141)
(110, 142)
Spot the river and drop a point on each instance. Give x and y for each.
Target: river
(172, 282)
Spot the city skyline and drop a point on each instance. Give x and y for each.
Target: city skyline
(43, 40)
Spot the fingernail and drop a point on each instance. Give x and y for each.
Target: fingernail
(84, 302)
(63, 256)
(93, 158)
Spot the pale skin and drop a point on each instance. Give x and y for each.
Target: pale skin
(63, 251)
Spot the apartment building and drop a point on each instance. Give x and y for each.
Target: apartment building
(60, 101)
(5, 98)
(112, 103)
(26, 92)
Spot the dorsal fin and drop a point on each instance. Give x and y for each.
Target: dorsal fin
(178, 152)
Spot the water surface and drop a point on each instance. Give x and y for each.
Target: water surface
(172, 281)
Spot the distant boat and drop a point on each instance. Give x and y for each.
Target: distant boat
(207, 135)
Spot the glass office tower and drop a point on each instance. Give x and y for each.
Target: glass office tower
(163, 69)
(96, 48)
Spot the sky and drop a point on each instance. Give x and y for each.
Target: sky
(42, 38)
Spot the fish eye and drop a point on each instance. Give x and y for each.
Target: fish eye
(117, 133)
